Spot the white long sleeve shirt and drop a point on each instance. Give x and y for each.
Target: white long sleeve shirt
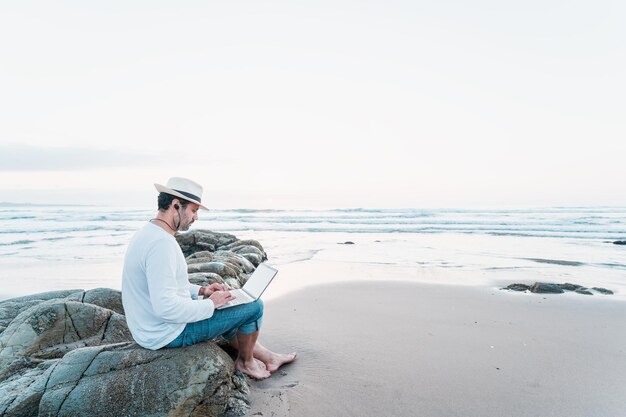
(157, 296)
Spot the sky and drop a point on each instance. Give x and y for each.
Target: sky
(315, 104)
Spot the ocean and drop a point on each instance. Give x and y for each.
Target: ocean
(53, 247)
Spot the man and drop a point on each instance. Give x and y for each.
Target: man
(163, 309)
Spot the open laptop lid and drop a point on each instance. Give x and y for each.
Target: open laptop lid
(259, 280)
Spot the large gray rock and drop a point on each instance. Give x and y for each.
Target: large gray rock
(20, 394)
(102, 297)
(127, 380)
(11, 308)
(55, 327)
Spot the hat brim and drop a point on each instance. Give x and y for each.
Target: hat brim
(163, 189)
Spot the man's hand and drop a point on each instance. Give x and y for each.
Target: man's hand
(207, 291)
(220, 298)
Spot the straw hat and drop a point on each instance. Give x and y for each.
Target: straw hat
(183, 188)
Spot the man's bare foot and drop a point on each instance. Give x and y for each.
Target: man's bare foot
(276, 360)
(252, 369)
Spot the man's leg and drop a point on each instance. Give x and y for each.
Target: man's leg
(272, 360)
(245, 361)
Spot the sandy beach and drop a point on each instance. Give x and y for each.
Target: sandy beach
(401, 349)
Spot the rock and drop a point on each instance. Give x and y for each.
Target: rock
(44, 296)
(196, 380)
(218, 268)
(105, 298)
(233, 283)
(546, 288)
(602, 290)
(349, 242)
(569, 287)
(201, 254)
(583, 290)
(202, 260)
(202, 240)
(620, 242)
(205, 278)
(11, 308)
(20, 394)
(517, 287)
(247, 242)
(249, 249)
(53, 328)
(235, 259)
(253, 258)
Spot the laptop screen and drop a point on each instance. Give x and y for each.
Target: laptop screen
(259, 280)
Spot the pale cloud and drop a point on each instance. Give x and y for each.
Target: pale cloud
(18, 157)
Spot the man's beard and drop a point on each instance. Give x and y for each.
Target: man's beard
(184, 226)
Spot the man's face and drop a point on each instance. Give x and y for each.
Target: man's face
(188, 215)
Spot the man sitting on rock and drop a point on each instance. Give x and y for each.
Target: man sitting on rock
(163, 309)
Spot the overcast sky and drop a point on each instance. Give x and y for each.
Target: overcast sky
(315, 103)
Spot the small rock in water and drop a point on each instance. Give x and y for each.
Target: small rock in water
(546, 288)
(583, 290)
(517, 287)
(620, 242)
(347, 243)
(570, 287)
(602, 290)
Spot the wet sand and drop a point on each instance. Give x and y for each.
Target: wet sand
(402, 349)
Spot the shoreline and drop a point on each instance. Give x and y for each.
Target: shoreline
(312, 258)
(404, 349)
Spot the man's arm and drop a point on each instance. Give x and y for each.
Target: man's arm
(161, 264)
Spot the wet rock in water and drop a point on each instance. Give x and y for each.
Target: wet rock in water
(119, 380)
(584, 291)
(602, 290)
(517, 287)
(570, 287)
(348, 242)
(546, 288)
(620, 242)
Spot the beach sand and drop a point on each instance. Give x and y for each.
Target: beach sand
(372, 348)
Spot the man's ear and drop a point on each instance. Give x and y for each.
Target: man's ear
(176, 204)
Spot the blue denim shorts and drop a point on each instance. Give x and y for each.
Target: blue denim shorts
(245, 319)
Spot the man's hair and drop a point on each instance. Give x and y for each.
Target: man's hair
(165, 200)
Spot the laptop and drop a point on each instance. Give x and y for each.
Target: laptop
(254, 287)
